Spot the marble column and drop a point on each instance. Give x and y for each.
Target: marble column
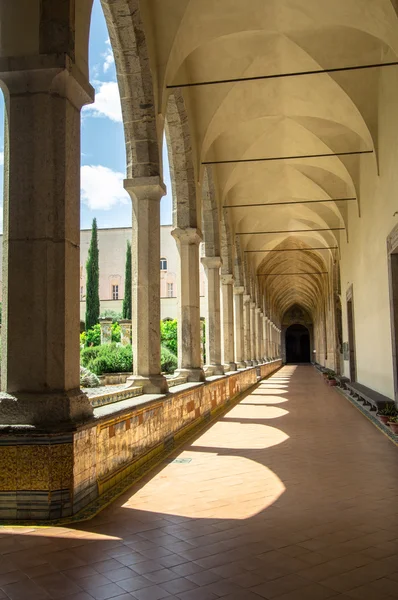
(265, 341)
(258, 335)
(146, 193)
(188, 319)
(246, 331)
(269, 344)
(212, 266)
(239, 326)
(41, 241)
(227, 323)
(253, 333)
(106, 330)
(125, 332)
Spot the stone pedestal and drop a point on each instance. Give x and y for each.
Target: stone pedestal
(41, 241)
(188, 320)
(125, 332)
(146, 193)
(212, 266)
(228, 336)
(239, 326)
(246, 331)
(106, 330)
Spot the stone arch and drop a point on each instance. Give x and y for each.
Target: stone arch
(182, 171)
(210, 216)
(127, 35)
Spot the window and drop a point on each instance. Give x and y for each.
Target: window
(163, 264)
(170, 290)
(115, 292)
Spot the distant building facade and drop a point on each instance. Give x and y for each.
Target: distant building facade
(112, 244)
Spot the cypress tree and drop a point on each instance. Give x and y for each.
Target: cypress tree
(127, 285)
(92, 286)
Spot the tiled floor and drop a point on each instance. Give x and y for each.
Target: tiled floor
(292, 495)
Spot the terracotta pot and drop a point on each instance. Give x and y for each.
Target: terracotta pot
(332, 382)
(394, 427)
(384, 419)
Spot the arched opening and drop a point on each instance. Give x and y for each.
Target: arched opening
(297, 344)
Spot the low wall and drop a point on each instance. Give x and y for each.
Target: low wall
(54, 475)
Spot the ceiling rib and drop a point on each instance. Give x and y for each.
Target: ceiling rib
(289, 203)
(275, 158)
(290, 231)
(296, 249)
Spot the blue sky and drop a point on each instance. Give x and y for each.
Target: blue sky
(103, 156)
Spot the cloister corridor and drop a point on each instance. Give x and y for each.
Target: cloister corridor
(290, 495)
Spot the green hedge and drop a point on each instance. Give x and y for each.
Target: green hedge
(168, 335)
(114, 358)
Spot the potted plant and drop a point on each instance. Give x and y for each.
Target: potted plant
(393, 423)
(331, 379)
(386, 413)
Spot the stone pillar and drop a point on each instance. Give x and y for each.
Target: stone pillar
(146, 193)
(188, 319)
(253, 333)
(212, 266)
(265, 341)
(125, 332)
(106, 330)
(246, 330)
(227, 323)
(258, 334)
(41, 241)
(239, 326)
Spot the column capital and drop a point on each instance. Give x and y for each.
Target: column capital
(227, 279)
(211, 262)
(252, 304)
(145, 188)
(51, 73)
(239, 289)
(258, 310)
(187, 235)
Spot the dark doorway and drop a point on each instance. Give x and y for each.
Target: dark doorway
(297, 344)
(351, 337)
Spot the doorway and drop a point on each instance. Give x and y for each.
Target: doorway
(297, 344)
(351, 336)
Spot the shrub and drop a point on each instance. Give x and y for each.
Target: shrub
(92, 337)
(116, 332)
(168, 361)
(168, 335)
(87, 355)
(110, 314)
(88, 379)
(109, 358)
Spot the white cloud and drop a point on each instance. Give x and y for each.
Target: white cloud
(107, 102)
(102, 188)
(108, 56)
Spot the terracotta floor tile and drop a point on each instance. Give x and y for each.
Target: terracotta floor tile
(285, 496)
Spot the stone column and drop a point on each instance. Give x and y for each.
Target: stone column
(125, 332)
(146, 193)
(227, 323)
(106, 330)
(253, 333)
(258, 334)
(41, 241)
(239, 326)
(269, 338)
(265, 341)
(212, 266)
(188, 319)
(246, 330)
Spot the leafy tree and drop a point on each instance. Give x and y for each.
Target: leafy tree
(92, 287)
(127, 285)
(168, 335)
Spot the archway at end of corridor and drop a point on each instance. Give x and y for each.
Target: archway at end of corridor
(297, 344)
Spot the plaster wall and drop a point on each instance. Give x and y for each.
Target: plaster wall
(364, 258)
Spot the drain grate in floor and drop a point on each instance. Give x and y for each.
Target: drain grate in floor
(181, 461)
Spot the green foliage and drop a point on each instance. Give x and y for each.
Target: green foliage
(168, 335)
(110, 314)
(168, 361)
(92, 287)
(88, 379)
(127, 285)
(394, 419)
(389, 410)
(108, 358)
(92, 337)
(116, 332)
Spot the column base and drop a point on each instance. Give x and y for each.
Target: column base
(241, 365)
(51, 409)
(152, 384)
(248, 363)
(213, 370)
(254, 362)
(192, 375)
(230, 367)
